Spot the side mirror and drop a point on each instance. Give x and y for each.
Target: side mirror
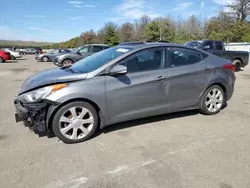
(118, 70)
(207, 47)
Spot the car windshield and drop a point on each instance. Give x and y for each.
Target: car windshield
(99, 59)
(194, 44)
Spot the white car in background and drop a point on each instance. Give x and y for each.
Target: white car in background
(13, 54)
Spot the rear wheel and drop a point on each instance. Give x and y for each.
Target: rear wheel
(13, 57)
(212, 100)
(1, 60)
(45, 59)
(67, 62)
(237, 64)
(75, 122)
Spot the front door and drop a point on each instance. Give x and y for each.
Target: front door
(142, 91)
(189, 76)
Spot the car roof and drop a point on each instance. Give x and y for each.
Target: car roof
(95, 45)
(153, 44)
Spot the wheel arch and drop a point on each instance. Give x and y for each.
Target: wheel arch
(52, 111)
(223, 87)
(239, 59)
(67, 58)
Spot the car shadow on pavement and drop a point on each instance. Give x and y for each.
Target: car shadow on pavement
(144, 121)
(22, 59)
(10, 61)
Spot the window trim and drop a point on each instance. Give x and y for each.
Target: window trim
(167, 64)
(129, 56)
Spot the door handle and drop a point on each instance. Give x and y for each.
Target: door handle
(160, 78)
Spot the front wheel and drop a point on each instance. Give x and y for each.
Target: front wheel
(1, 60)
(75, 122)
(212, 100)
(13, 57)
(67, 62)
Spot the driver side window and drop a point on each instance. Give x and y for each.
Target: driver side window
(145, 60)
(84, 49)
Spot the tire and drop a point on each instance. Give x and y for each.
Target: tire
(67, 62)
(238, 64)
(75, 123)
(13, 57)
(45, 59)
(216, 102)
(1, 60)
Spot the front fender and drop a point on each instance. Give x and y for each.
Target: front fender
(92, 90)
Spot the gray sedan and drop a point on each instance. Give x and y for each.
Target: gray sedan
(82, 52)
(123, 83)
(48, 57)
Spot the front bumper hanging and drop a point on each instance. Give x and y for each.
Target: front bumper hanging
(32, 115)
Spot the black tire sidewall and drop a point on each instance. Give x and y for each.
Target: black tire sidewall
(61, 110)
(237, 63)
(203, 109)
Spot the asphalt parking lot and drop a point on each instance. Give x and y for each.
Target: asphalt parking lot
(178, 150)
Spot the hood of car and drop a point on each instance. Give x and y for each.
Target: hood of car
(49, 77)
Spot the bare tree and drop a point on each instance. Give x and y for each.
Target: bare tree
(240, 9)
(140, 26)
(126, 32)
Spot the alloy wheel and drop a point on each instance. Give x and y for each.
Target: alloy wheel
(67, 63)
(76, 123)
(214, 100)
(45, 59)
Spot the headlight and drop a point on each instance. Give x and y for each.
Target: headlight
(37, 95)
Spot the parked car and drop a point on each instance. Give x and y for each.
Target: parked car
(32, 51)
(49, 56)
(4, 56)
(123, 83)
(13, 54)
(71, 58)
(239, 58)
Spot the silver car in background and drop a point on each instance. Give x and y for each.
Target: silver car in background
(49, 56)
(123, 83)
(81, 53)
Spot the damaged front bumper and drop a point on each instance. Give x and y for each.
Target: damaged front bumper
(33, 116)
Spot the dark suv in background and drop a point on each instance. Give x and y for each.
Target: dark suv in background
(82, 52)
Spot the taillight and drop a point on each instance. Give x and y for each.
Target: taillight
(229, 66)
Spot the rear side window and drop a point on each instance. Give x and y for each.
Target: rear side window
(97, 48)
(183, 57)
(218, 46)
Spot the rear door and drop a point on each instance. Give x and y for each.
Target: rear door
(142, 91)
(189, 76)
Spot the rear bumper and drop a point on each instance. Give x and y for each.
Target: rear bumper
(230, 87)
(32, 115)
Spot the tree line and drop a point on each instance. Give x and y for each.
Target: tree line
(228, 26)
